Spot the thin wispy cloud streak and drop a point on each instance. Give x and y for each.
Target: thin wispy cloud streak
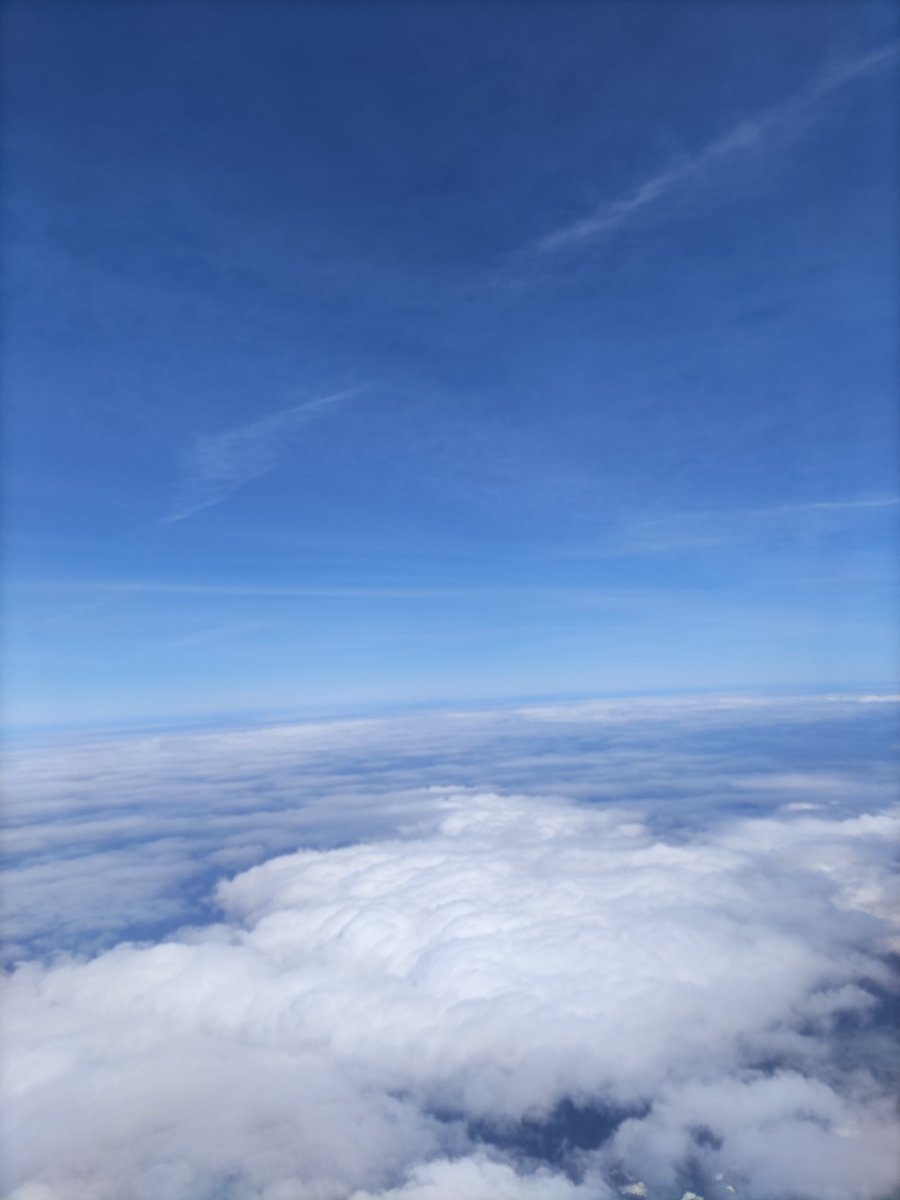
(220, 464)
(699, 530)
(114, 590)
(744, 137)
(217, 633)
(835, 507)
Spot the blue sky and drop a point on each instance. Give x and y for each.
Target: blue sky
(361, 353)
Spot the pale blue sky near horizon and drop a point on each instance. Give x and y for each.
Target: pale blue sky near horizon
(362, 354)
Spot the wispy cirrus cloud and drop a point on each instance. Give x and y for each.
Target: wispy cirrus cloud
(831, 505)
(702, 529)
(219, 464)
(748, 135)
(748, 517)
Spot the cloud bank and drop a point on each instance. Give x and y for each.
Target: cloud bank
(122, 837)
(487, 993)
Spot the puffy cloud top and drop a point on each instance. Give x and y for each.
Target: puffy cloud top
(507, 995)
(525, 954)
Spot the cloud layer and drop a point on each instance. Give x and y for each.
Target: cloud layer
(113, 837)
(492, 994)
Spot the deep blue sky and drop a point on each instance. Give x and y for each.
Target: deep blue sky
(394, 352)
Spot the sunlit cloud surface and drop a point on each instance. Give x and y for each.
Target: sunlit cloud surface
(663, 967)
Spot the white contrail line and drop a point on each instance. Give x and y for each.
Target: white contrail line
(746, 135)
(222, 463)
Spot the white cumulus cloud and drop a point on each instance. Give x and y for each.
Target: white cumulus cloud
(390, 1018)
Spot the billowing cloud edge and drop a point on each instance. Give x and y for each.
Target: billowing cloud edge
(384, 1019)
